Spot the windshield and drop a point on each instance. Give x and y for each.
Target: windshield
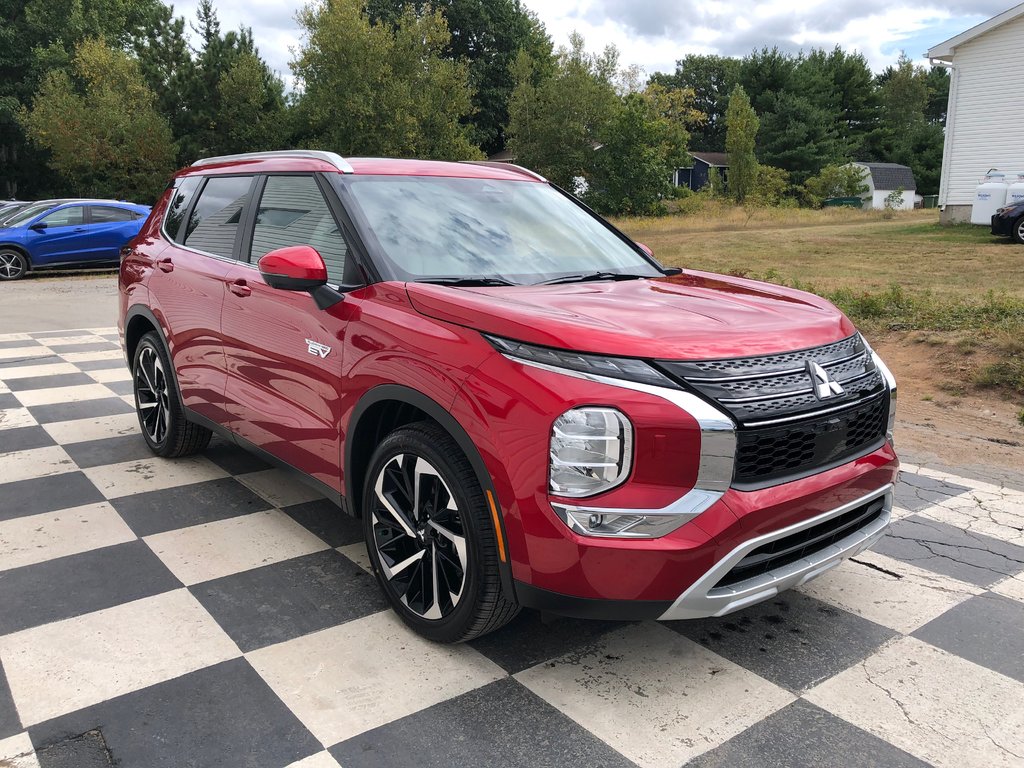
(26, 214)
(523, 232)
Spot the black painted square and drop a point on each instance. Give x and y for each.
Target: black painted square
(327, 520)
(987, 629)
(951, 551)
(285, 600)
(101, 365)
(18, 344)
(86, 750)
(81, 409)
(10, 725)
(49, 382)
(77, 584)
(499, 724)
(18, 362)
(46, 494)
(171, 508)
(120, 387)
(530, 639)
(802, 734)
(223, 716)
(100, 345)
(233, 459)
(9, 400)
(24, 439)
(793, 640)
(108, 450)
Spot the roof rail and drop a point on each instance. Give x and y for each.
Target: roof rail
(312, 154)
(514, 168)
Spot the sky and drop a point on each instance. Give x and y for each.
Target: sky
(652, 34)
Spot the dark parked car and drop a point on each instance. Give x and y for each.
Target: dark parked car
(1008, 221)
(75, 233)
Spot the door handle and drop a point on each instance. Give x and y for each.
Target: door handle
(79, 229)
(239, 288)
(166, 265)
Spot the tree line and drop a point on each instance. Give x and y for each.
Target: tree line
(107, 97)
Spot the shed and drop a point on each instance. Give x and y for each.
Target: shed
(885, 178)
(696, 176)
(986, 112)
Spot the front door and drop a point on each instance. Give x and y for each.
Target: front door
(283, 353)
(59, 237)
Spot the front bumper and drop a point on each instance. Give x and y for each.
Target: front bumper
(703, 598)
(1001, 226)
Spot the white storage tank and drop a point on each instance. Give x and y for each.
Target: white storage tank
(990, 195)
(1015, 192)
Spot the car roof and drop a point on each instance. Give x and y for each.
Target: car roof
(325, 162)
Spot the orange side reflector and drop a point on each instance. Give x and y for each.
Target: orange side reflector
(497, 526)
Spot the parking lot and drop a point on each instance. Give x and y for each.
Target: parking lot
(212, 612)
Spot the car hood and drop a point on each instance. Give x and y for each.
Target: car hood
(691, 316)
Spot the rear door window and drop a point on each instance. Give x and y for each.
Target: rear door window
(184, 191)
(213, 222)
(105, 214)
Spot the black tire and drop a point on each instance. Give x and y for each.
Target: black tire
(161, 417)
(446, 480)
(13, 264)
(1018, 230)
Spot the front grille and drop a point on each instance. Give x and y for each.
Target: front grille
(784, 429)
(789, 549)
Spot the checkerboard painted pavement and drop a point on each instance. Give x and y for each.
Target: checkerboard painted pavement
(212, 612)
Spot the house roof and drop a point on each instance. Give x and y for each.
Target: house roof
(716, 159)
(944, 50)
(890, 176)
(504, 156)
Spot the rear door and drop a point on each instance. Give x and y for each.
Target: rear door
(187, 283)
(283, 353)
(59, 237)
(108, 228)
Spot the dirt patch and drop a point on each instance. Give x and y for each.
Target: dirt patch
(942, 419)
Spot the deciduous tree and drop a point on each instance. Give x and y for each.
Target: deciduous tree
(741, 131)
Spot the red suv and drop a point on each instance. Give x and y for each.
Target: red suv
(521, 404)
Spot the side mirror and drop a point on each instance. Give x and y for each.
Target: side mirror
(39, 226)
(645, 249)
(295, 268)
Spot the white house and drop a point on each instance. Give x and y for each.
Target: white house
(985, 118)
(883, 179)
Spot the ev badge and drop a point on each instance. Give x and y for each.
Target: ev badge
(824, 386)
(318, 349)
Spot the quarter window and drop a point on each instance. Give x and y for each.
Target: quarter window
(65, 217)
(181, 199)
(214, 220)
(293, 211)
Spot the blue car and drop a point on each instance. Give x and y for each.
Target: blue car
(60, 233)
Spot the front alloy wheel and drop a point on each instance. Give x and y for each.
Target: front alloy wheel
(12, 265)
(419, 536)
(430, 536)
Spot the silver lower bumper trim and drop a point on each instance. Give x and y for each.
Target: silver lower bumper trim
(704, 599)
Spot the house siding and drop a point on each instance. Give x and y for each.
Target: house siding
(986, 112)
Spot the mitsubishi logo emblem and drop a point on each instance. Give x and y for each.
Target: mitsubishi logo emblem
(824, 385)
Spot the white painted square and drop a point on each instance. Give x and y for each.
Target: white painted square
(939, 707)
(13, 418)
(98, 428)
(61, 667)
(655, 696)
(75, 394)
(211, 550)
(319, 760)
(357, 554)
(1012, 587)
(17, 752)
(26, 352)
(15, 337)
(151, 474)
(37, 538)
(103, 354)
(107, 375)
(904, 602)
(338, 686)
(42, 369)
(279, 488)
(73, 337)
(35, 462)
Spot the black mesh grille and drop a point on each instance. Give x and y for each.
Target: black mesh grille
(768, 453)
(785, 427)
(789, 549)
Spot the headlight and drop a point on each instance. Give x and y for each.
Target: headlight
(890, 382)
(591, 451)
(626, 368)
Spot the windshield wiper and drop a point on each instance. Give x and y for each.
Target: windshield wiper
(588, 276)
(464, 282)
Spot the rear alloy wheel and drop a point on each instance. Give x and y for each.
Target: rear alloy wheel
(1018, 230)
(13, 265)
(161, 417)
(430, 538)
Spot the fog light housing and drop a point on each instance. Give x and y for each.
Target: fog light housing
(591, 451)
